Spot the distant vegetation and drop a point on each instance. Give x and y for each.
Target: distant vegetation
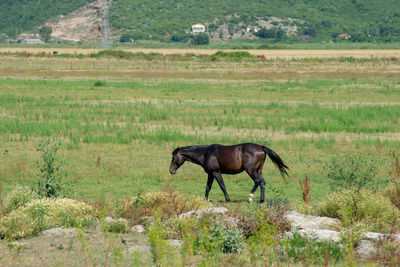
(364, 20)
(170, 21)
(17, 16)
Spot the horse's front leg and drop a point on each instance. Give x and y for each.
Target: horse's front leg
(220, 181)
(209, 184)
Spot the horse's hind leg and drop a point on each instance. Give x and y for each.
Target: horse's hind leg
(209, 185)
(262, 185)
(258, 181)
(220, 181)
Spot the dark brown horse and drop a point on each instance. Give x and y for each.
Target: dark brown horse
(218, 159)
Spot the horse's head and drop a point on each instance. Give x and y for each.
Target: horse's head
(177, 161)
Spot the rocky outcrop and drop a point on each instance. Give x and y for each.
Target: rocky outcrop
(301, 221)
(215, 211)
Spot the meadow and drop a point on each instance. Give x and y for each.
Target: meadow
(120, 118)
(119, 115)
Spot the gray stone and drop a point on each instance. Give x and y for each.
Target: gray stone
(175, 243)
(372, 236)
(59, 231)
(216, 211)
(142, 249)
(108, 219)
(366, 249)
(301, 221)
(138, 229)
(321, 235)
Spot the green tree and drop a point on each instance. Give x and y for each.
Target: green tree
(45, 33)
(201, 39)
(4, 38)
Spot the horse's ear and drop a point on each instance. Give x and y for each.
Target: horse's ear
(176, 150)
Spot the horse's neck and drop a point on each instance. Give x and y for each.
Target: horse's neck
(195, 154)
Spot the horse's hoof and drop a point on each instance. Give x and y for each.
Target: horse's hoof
(251, 195)
(250, 200)
(228, 200)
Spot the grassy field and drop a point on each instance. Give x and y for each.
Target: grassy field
(275, 53)
(120, 119)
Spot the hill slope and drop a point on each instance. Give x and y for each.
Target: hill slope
(155, 19)
(364, 20)
(17, 16)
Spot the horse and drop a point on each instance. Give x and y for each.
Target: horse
(219, 159)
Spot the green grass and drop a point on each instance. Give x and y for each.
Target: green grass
(118, 134)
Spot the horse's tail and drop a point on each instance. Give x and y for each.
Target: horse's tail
(278, 162)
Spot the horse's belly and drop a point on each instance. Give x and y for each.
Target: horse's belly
(231, 169)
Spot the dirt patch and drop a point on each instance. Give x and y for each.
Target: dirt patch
(63, 248)
(12, 72)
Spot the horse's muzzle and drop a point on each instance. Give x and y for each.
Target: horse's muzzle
(172, 171)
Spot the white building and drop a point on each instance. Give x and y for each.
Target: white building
(198, 28)
(31, 41)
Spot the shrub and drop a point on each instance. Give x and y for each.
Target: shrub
(115, 226)
(169, 203)
(251, 222)
(393, 190)
(300, 248)
(364, 208)
(201, 39)
(163, 254)
(351, 171)
(99, 83)
(263, 243)
(226, 240)
(50, 165)
(41, 214)
(18, 197)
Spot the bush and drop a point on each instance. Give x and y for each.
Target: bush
(366, 209)
(352, 171)
(393, 190)
(307, 249)
(18, 197)
(201, 39)
(99, 83)
(169, 203)
(50, 165)
(250, 223)
(115, 226)
(41, 214)
(216, 238)
(226, 240)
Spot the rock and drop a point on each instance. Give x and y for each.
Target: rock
(321, 235)
(142, 249)
(175, 243)
(366, 249)
(301, 221)
(138, 229)
(59, 231)
(110, 220)
(372, 236)
(216, 211)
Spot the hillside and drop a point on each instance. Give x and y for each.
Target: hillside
(323, 18)
(166, 20)
(17, 16)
